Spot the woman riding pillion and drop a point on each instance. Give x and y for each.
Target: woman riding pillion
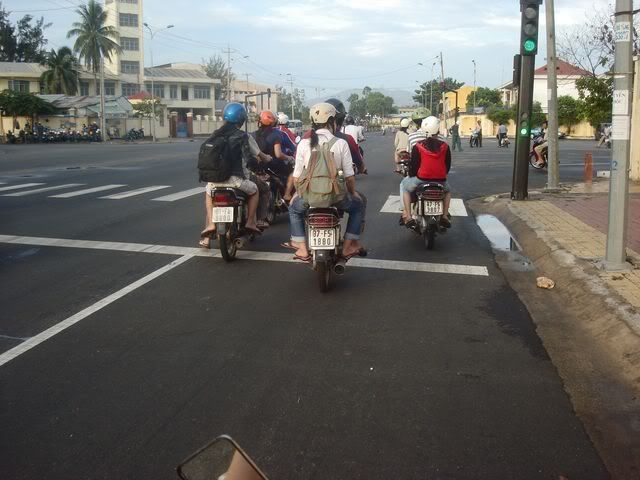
(323, 127)
(430, 162)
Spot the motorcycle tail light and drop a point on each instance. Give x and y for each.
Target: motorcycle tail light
(224, 199)
(433, 195)
(322, 220)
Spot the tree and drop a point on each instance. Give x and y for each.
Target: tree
(425, 89)
(537, 115)
(357, 105)
(146, 108)
(500, 115)
(300, 111)
(215, 67)
(485, 98)
(379, 104)
(15, 104)
(569, 111)
(94, 39)
(23, 43)
(597, 99)
(61, 75)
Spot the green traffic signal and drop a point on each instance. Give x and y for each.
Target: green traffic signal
(529, 45)
(524, 131)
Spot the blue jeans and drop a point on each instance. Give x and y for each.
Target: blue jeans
(409, 185)
(298, 209)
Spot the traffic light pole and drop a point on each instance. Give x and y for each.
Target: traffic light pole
(519, 190)
(616, 255)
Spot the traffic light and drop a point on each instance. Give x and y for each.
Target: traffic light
(524, 127)
(530, 18)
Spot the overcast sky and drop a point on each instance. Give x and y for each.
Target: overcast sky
(333, 44)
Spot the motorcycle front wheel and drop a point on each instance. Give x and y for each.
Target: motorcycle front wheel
(533, 162)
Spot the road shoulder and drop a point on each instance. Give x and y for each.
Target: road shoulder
(588, 325)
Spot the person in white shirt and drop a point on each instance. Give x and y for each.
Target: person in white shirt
(323, 127)
(350, 128)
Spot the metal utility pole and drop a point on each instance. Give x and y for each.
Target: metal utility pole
(553, 172)
(153, 92)
(616, 256)
(475, 88)
(103, 122)
(431, 95)
(292, 103)
(530, 10)
(228, 52)
(444, 109)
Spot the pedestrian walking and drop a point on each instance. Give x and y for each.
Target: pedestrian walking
(455, 137)
(479, 129)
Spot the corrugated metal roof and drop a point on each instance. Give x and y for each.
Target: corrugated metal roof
(21, 68)
(65, 102)
(156, 72)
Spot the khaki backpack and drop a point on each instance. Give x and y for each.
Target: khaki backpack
(318, 184)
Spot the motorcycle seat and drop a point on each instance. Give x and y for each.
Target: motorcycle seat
(327, 211)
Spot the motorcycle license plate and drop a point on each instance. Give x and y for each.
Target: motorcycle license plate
(322, 238)
(222, 214)
(433, 207)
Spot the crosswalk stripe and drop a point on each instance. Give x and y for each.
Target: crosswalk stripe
(22, 185)
(394, 205)
(40, 190)
(138, 191)
(180, 195)
(86, 191)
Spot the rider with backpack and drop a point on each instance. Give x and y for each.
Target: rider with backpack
(222, 162)
(324, 176)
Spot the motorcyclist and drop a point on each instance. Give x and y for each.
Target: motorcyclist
(418, 135)
(430, 162)
(234, 116)
(401, 141)
(353, 146)
(350, 128)
(539, 150)
(283, 126)
(323, 128)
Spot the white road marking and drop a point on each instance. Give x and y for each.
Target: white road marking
(245, 255)
(180, 195)
(23, 185)
(40, 190)
(81, 315)
(138, 191)
(394, 205)
(86, 191)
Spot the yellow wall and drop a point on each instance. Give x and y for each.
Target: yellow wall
(463, 95)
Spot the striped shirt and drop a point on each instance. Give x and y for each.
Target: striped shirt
(416, 137)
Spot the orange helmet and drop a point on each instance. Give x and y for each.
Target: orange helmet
(267, 118)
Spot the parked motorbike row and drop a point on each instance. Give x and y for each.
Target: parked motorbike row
(134, 134)
(47, 135)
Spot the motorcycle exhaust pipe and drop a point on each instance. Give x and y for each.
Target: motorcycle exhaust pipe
(241, 242)
(340, 267)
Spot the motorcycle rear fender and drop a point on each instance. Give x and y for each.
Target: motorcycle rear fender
(221, 228)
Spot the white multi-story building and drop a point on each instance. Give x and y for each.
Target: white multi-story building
(126, 17)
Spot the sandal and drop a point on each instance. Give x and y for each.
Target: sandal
(207, 232)
(306, 259)
(411, 224)
(205, 243)
(288, 245)
(253, 231)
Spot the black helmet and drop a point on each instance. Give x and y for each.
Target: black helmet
(341, 112)
(349, 120)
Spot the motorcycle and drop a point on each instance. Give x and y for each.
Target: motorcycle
(533, 157)
(403, 165)
(277, 205)
(229, 215)
(222, 459)
(427, 208)
(474, 139)
(325, 243)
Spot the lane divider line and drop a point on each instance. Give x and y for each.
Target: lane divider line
(45, 335)
(17, 187)
(397, 265)
(137, 191)
(179, 195)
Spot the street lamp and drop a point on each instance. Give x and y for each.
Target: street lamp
(431, 85)
(474, 88)
(153, 101)
(291, 83)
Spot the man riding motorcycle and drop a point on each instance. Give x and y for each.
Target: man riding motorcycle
(543, 146)
(323, 129)
(283, 126)
(430, 162)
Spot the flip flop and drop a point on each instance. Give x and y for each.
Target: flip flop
(253, 231)
(362, 252)
(306, 259)
(207, 233)
(205, 243)
(288, 245)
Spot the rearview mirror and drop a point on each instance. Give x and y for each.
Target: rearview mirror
(222, 459)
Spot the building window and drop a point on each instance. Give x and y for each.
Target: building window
(173, 91)
(19, 85)
(201, 92)
(109, 88)
(128, 20)
(158, 89)
(130, 43)
(127, 66)
(84, 88)
(129, 1)
(129, 89)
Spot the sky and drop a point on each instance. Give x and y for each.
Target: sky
(333, 45)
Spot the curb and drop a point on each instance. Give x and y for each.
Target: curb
(590, 335)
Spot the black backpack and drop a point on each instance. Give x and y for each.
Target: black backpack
(214, 159)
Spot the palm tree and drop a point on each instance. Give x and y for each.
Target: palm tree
(62, 73)
(94, 38)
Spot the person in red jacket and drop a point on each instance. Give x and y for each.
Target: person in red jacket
(431, 160)
(283, 125)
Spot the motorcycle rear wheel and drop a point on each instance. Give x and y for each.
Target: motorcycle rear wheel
(228, 247)
(324, 276)
(533, 162)
(430, 237)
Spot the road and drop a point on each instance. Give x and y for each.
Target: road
(123, 348)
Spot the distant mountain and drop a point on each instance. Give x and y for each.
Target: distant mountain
(401, 98)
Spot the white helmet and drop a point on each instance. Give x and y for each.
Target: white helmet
(405, 122)
(321, 113)
(283, 119)
(430, 125)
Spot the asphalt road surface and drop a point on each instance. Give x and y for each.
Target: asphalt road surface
(124, 348)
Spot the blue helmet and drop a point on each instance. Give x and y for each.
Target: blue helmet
(235, 113)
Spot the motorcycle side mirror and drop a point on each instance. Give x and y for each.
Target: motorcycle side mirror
(222, 459)
(298, 139)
